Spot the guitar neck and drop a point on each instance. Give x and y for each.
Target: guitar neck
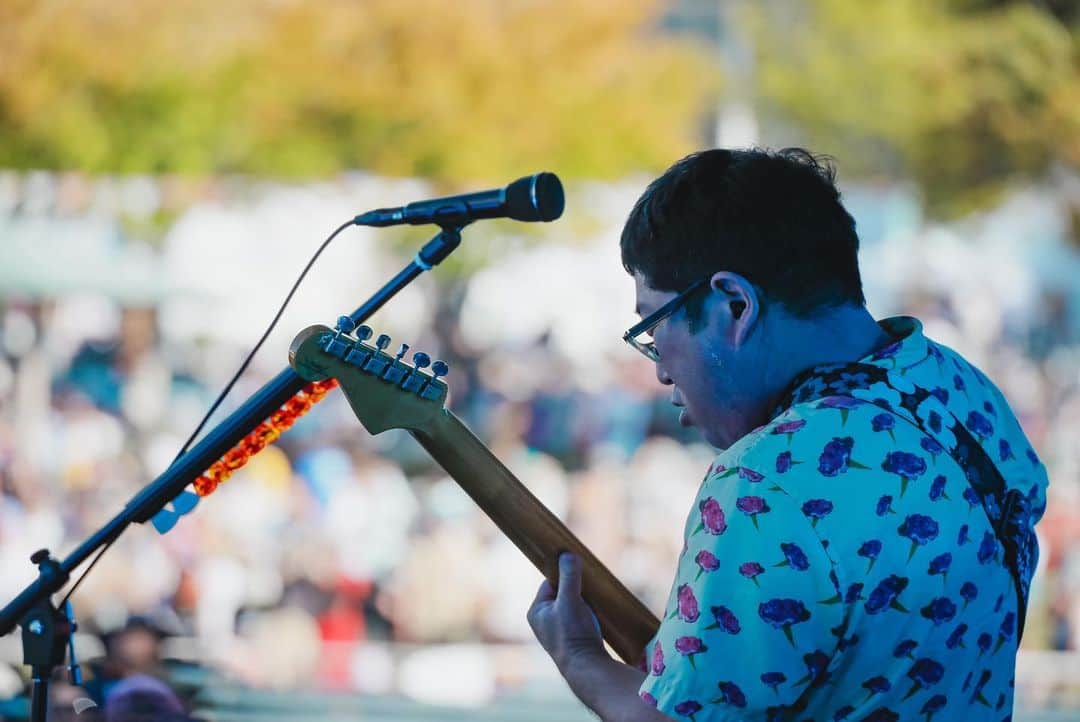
(626, 623)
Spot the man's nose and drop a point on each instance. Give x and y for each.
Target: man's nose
(662, 375)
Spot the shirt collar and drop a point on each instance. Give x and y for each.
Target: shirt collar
(908, 347)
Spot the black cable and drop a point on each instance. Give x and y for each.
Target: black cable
(269, 329)
(228, 386)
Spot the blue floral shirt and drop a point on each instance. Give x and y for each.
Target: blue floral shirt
(838, 566)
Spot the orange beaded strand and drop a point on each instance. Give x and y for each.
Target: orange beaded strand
(263, 435)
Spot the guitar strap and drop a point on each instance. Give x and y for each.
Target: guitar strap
(1008, 510)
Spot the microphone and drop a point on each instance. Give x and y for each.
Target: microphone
(537, 197)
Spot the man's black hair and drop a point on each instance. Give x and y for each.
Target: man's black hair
(773, 217)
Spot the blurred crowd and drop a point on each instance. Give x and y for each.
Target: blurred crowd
(332, 541)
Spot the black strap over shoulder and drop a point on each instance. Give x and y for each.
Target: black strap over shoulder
(1008, 510)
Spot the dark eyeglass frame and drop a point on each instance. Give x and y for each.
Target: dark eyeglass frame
(653, 320)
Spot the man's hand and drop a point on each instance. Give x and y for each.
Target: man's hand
(562, 621)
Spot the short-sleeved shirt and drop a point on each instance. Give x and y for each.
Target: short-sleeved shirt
(837, 565)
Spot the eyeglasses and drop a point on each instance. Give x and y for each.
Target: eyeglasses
(640, 334)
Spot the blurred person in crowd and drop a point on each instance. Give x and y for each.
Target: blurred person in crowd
(134, 649)
(142, 698)
(863, 544)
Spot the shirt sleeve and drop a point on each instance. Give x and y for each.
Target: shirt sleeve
(754, 615)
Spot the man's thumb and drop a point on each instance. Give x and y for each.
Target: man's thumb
(569, 574)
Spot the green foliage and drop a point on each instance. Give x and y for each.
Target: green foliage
(964, 97)
(469, 91)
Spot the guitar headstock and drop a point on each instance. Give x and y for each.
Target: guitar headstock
(385, 391)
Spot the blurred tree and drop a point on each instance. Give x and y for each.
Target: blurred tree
(476, 90)
(965, 97)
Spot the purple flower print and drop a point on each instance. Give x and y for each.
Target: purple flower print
(934, 422)
(839, 402)
(657, 665)
(794, 557)
(817, 509)
(889, 351)
(979, 425)
(750, 475)
(941, 394)
(989, 408)
(931, 446)
(884, 506)
(648, 699)
(706, 561)
(972, 498)
(958, 383)
(939, 610)
(688, 605)
(870, 549)
(751, 570)
(977, 693)
(1008, 627)
(876, 685)
(688, 708)
(968, 592)
(1005, 451)
(987, 548)
(940, 565)
(817, 663)
(937, 488)
(886, 595)
(983, 642)
(956, 639)
(836, 456)
(689, 646)
(906, 466)
(881, 714)
(854, 593)
(925, 672)
(905, 648)
(731, 694)
(883, 422)
(783, 614)
(920, 529)
(1032, 457)
(783, 462)
(1008, 624)
(712, 517)
(789, 427)
(773, 680)
(752, 506)
(933, 705)
(725, 620)
(962, 538)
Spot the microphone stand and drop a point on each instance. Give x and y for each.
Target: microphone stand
(45, 629)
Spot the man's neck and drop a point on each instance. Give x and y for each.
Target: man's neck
(845, 335)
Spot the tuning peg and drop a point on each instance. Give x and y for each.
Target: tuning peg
(378, 362)
(432, 390)
(363, 332)
(416, 380)
(345, 324)
(396, 371)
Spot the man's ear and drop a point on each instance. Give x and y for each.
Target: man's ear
(740, 304)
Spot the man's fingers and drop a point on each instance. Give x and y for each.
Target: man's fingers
(569, 575)
(545, 593)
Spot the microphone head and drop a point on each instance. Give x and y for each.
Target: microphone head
(536, 197)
